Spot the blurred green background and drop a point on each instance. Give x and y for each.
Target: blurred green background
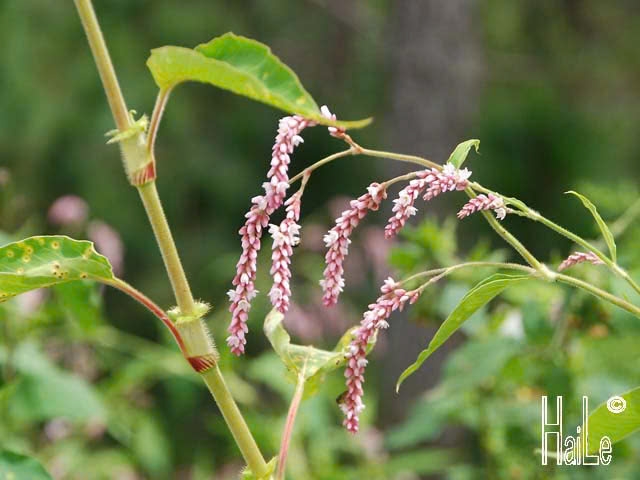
(93, 386)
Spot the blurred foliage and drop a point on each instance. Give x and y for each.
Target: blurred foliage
(91, 384)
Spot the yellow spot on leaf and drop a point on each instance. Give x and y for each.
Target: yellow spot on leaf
(55, 245)
(29, 250)
(41, 241)
(20, 271)
(26, 258)
(10, 253)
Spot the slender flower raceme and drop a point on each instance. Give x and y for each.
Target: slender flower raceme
(434, 182)
(484, 202)
(579, 257)
(393, 298)
(285, 237)
(287, 139)
(337, 240)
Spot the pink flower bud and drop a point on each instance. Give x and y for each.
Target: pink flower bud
(484, 202)
(579, 257)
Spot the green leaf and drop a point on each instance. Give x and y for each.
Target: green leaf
(44, 261)
(460, 153)
(616, 426)
(606, 233)
(242, 66)
(478, 296)
(15, 467)
(310, 362)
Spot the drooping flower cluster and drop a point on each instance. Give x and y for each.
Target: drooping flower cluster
(484, 202)
(285, 237)
(393, 298)
(579, 257)
(435, 182)
(275, 188)
(337, 240)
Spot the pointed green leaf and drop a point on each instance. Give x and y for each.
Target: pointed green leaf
(310, 362)
(44, 261)
(616, 426)
(477, 297)
(604, 229)
(15, 466)
(459, 155)
(242, 66)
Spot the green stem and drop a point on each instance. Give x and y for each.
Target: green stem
(153, 207)
(400, 157)
(239, 429)
(195, 337)
(103, 62)
(320, 163)
(535, 216)
(452, 268)
(599, 293)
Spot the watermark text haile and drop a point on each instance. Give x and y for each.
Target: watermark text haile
(568, 449)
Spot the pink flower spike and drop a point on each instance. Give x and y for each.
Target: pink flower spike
(435, 182)
(337, 240)
(285, 237)
(484, 202)
(288, 137)
(579, 257)
(403, 205)
(393, 298)
(448, 180)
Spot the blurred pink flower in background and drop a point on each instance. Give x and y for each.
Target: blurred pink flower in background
(108, 243)
(29, 302)
(311, 237)
(303, 324)
(376, 249)
(68, 210)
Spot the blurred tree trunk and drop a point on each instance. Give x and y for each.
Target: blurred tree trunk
(434, 60)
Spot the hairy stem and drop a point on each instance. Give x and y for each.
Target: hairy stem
(153, 207)
(149, 195)
(103, 62)
(288, 428)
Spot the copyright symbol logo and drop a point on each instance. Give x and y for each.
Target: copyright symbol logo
(616, 404)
